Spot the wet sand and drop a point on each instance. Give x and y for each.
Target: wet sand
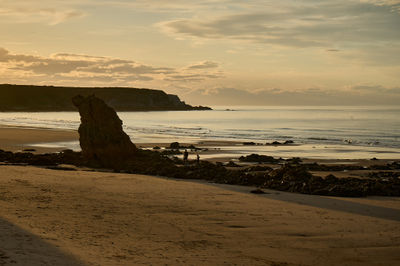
(20, 138)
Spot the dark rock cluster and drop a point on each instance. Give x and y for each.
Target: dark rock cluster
(334, 168)
(289, 177)
(47, 159)
(276, 143)
(256, 158)
(296, 178)
(177, 146)
(232, 164)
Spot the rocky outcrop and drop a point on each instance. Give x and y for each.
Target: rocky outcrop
(102, 140)
(293, 178)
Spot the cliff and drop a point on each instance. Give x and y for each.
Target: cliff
(49, 98)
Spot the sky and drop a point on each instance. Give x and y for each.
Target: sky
(210, 52)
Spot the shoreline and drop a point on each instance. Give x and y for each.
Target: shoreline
(350, 133)
(44, 140)
(39, 141)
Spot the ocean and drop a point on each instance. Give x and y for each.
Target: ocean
(321, 132)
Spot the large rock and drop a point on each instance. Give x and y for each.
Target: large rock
(101, 137)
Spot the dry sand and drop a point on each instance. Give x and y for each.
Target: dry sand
(52, 217)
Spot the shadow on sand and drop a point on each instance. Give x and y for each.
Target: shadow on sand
(20, 247)
(336, 204)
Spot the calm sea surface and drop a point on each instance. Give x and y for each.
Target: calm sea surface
(332, 131)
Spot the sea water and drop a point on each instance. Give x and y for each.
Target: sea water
(321, 132)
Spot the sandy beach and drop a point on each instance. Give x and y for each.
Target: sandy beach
(82, 217)
(93, 218)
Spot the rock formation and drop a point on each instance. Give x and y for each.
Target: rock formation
(290, 177)
(102, 140)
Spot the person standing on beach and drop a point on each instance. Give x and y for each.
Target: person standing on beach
(185, 156)
(198, 158)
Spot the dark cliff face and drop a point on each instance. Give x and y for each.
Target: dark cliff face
(49, 98)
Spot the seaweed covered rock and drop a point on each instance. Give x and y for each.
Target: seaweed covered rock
(290, 178)
(46, 159)
(232, 164)
(256, 158)
(258, 168)
(174, 145)
(102, 140)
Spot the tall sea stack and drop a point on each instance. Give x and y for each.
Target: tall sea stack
(102, 140)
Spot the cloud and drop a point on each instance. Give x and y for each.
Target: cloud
(305, 24)
(200, 71)
(382, 54)
(183, 6)
(52, 10)
(3, 53)
(192, 77)
(204, 65)
(311, 96)
(19, 13)
(375, 89)
(394, 4)
(67, 67)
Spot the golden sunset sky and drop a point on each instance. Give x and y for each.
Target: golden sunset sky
(209, 52)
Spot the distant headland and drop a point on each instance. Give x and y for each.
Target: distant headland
(30, 98)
